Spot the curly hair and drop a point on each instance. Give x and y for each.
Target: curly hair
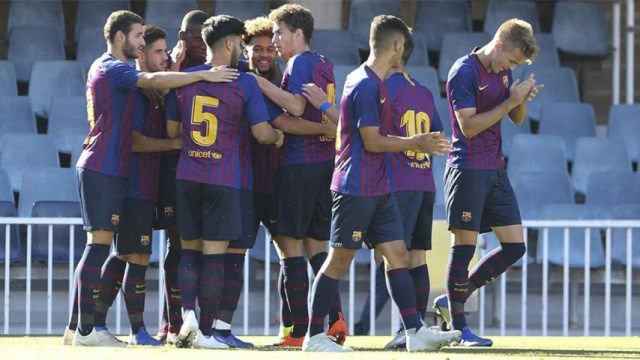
(260, 26)
(296, 17)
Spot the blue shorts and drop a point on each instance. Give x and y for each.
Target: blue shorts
(479, 200)
(370, 219)
(136, 230)
(304, 201)
(165, 210)
(416, 211)
(101, 199)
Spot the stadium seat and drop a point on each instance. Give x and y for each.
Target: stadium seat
(340, 73)
(68, 113)
(8, 210)
(168, 14)
(25, 152)
(427, 77)
(8, 82)
(70, 143)
(456, 45)
(257, 252)
(419, 56)
(569, 121)
(539, 153)
(340, 47)
(592, 39)
(534, 190)
(619, 236)
(439, 210)
(362, 12)
(54, 79)
(44, 13)
(246, 9)
(576, 237)
(597, 154)
(93, 14)
(6, 193)
(438, 17)
(442, 105)
(28, 44)
(16, 115)
(38, 185)
(624, 125)
(613, 188)
(438, 166)
(60, 238)
(91, 45)
(498, 11)
(560, 85)
(509, 130)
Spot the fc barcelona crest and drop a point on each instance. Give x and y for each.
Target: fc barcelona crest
(115, 219)
(466, 216)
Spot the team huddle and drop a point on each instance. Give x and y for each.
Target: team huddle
(215, 139)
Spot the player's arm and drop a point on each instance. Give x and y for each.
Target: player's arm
(431, 143)
(172, 80)
(320, 101)
(174, 128)
(141, 143)
(294, 104)
(299, 126)
(266, 134)
(519, 113)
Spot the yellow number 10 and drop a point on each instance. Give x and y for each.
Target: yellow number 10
(199, 116)
(415, 124)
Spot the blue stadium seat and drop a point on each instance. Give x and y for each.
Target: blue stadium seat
(68, 113)
(363, 11)
(543, 153)
(60, 243)
(38, 185)
(44, 13)
(16, 115)
(576, 236)
(340, 73)
(93, 14)
(534, 190)
(438, 17)
(439, 210)
(509, 130)
(8, 82)
(569, 121)
(28, 44)
(613, 188)
(560, 85)
(624, 125)
(6, 193)
(442, 105)
(91, 45)
(340, 47)
(438, 166)
(70, 143)
(619, 236)
(427, 77)
(25, 152)
(456, 45)
(597, 154)
(16, 254)
(168, 14)
(257, 252)
(363, 257)
(246, 9)
(420, 55)
(499, 11)
(54, 79)
(593, 37)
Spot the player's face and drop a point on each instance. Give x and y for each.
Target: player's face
(236, 51)
(155, 56)
(196, 48)
(398, 51)
(261, 53)
(283, 40)
(134, 42)
(507, 58)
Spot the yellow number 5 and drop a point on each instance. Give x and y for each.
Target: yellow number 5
(199, 116)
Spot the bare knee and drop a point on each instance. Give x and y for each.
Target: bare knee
(464, 237)
(337, 263)
(195, 245)
(395, 254)
(417, 258)
(138, 259)
(313, 247)
(214, 247)
(290, 247)
(100, 237)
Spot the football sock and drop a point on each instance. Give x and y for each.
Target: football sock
(210, 289)
(134, 294)
(458, 282)
(296, 284)
(89, 269)
(233, 281)
(403, 294)
(336, 307)
(420, 276)
(324, 290)
(110, 284)
(172, 289)
(285, 311)
(189, 274)
(495, 263)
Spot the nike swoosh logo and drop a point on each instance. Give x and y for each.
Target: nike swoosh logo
(383, 100)
(482, 88)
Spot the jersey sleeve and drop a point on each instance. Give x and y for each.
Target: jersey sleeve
(255, 108)
(273, 109)
(436, 121)
(139, 111)
(462, 88)
(171, 106)
(123, 75)
(366, 109)
(301, 73)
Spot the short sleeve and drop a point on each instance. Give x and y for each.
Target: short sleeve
(301, 73)
(365, 102)
(171, 106)
(139, 111)
(461, 88)
(436, 121)
(123, 75)
(273, 109)
(255, 108)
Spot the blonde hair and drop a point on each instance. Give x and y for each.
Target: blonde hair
(518, 34)
(260, 26)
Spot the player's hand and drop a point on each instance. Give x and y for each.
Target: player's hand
(314, 94)
(280, 140)
(176, 143)
(331, 129)
(433, 143)
(155, 96)
(178, 54)
(519, 90)
(534, 89)
(220, 74)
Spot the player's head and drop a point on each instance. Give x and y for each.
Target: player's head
(261, 51)
(387, 38)
(409, 45)
(514, 44)
(124, 31)
(223, 36)
(292, 29)
(154, 57)
(190, 32)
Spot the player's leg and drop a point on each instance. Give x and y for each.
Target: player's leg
(173, 298)
(110, 284)
(420, 245)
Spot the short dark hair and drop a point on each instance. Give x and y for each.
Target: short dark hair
(152, 34)
(383, 27)
(120, 20)
(218, 27)
(193, 18)
(409, 45)
(295, 17)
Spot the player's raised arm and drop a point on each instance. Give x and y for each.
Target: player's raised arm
(519, 113)
(294, 104)
(172, 80)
